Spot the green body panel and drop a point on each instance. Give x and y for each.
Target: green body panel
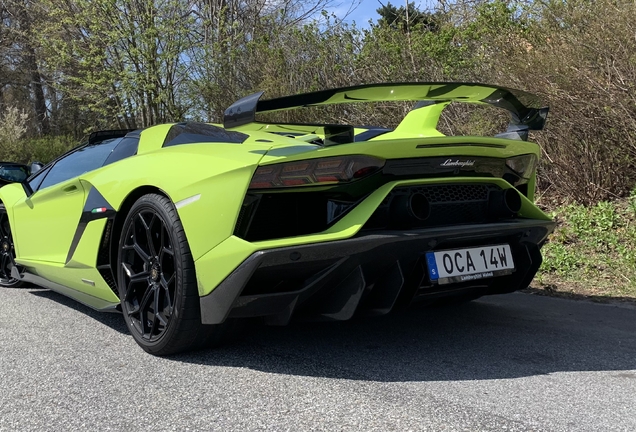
(81, 267)
(218, 263)
(420, 122)
(9, 195)
(464, 92)
(85, 254)
(406, 148)
(46, 222)
(68, 281)
(219, 173)
(73, 278)
(152, 138)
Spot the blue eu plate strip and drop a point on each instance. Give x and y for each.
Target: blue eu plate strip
(432, 266)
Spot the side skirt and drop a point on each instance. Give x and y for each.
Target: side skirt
(86, 299)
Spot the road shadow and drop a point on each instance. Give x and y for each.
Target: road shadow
(112, 320)
(497, 337)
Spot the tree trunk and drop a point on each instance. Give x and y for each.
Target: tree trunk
(41, 114)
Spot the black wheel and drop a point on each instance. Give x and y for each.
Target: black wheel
(7, 252)
(157, 282)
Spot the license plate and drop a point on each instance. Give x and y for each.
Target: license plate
(461, 265)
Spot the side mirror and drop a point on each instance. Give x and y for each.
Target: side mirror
(35, 167)
(12, 173)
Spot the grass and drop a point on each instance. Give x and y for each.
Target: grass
(592, 252)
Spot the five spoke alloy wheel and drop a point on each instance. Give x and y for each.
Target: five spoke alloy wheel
(156, 279)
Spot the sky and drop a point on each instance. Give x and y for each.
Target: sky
(366, 9)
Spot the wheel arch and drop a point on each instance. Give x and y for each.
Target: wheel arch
(120, 217)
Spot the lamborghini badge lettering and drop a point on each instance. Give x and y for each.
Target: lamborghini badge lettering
(457, 163)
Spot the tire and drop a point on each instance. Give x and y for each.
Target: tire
(7, 252)
(157, 282)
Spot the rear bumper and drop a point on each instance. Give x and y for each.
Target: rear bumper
(371, 273)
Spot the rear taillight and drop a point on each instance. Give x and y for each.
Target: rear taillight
(524, 165)
(324, 171)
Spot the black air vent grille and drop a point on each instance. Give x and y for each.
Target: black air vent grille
(103, 258)
(454, 193)
(450, 204)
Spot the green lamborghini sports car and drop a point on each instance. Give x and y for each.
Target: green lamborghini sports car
(186, 227)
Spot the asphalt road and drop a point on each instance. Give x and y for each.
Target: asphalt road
(514, 362)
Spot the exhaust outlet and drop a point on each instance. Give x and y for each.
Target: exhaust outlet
(409, 210)
(504, 203)
(419, 206)
(512, 200)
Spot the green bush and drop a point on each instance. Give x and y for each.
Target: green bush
(46, 149)
(43, 149)
(594, 247)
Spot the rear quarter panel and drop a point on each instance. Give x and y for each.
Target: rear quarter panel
(218, 174)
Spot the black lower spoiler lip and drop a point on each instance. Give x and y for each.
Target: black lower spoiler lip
(372, 272)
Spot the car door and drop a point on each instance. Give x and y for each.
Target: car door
(46, 221)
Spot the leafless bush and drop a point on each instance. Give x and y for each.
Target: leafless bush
(580, 57)
(470, 119)
(13, 126)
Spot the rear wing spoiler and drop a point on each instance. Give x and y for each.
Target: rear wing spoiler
(525, 109)
(104, 135)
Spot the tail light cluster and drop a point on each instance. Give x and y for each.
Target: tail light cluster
(323, 171)
(524, 166)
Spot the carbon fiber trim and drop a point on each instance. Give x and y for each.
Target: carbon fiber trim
(94, 200)
(371, 274)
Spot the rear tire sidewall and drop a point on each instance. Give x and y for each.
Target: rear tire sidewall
(183, 287)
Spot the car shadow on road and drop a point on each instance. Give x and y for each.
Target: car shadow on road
(498, 337)
(112, 320)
